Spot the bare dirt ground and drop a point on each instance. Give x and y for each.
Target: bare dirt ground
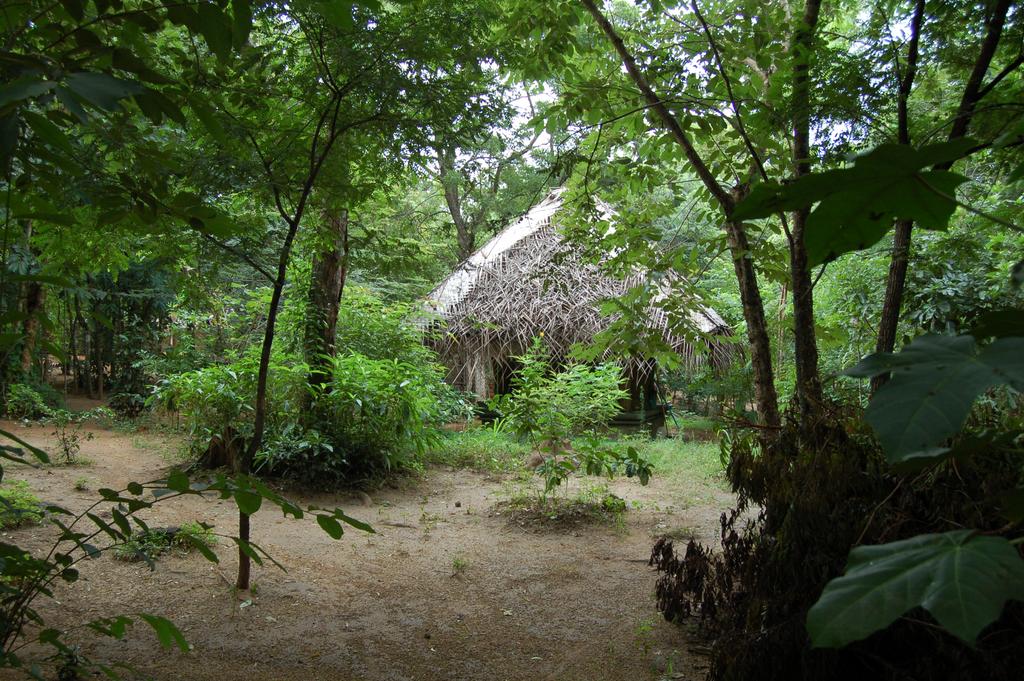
(446, 589)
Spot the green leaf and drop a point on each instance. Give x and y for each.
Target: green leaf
(857, 205)
(247, 549)
(46, 131)
(101, 90)
(72, 103)
(208, 118)
(960, 578)
(201, 546)
(241, 22)
(177, 481)
(8, 138)
(74, 8)
(183, 15)
(934, 382)
(348, 520)
(215, 29)
(248, 501)
(121, 521)
(166, 632)
(24, 88)
(999, 323)
(330, 526)
(337, 13)
(156, 106)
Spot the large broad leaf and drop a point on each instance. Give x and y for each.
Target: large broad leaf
(24, 88)
(857, 205)
(934, 382)
(241, 22)
(960, 578)
(100, 89)
(248, 502)
(215, 28)
(999, 323)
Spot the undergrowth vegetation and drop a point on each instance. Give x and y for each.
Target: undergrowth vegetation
(150, 543)
(284, 215)
(18, 504)
(379, 410)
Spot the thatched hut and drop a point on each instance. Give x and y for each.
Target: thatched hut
(529, 281)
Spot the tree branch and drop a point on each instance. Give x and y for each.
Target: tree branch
(658, 106)
(740, 128)
(1010, 68)
(238, 254)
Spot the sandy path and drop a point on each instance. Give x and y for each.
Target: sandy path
(443, 591)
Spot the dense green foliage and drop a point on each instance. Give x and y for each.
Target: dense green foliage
(549, 404)
(230, 210)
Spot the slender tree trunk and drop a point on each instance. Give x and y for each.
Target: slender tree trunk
(35, 297)
(465, 232)
(100, 368)
(757, 327)
(326, 282)
(973, 92)
(32, 295)
(889, 321)
(750, 294)
(808, 381)
(244, 464)
(76, 326)
(888, 324)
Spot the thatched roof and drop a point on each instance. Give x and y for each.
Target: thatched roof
(528, 280)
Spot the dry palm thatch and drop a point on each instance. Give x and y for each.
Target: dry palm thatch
(528, 281)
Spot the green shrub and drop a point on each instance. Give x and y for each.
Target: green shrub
(376, 415)
(218, 400)
(453, 405)
(25, 402)
(149, 544)
(128, 405)
(370, 327)
(548, 407)
(51, 396)
(67, 430)
(18, 505)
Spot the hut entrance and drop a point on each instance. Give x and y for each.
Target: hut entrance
(504, 371)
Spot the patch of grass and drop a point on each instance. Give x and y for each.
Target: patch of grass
(672, 458)
(594, 504)
(683, 533)
(18, 505)
(81, 484)
(459, 565)
(481, 449)
(687, 421)
(148, 545)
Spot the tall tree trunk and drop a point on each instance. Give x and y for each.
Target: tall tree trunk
(757, 328)
(746, 276)
(35, 297)
(78, 326)
(974, 90)
(808, 381)
(326, 283)
(32, 295)
(244, 464)
(896, 280)
(97, 351)
(465, 231)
